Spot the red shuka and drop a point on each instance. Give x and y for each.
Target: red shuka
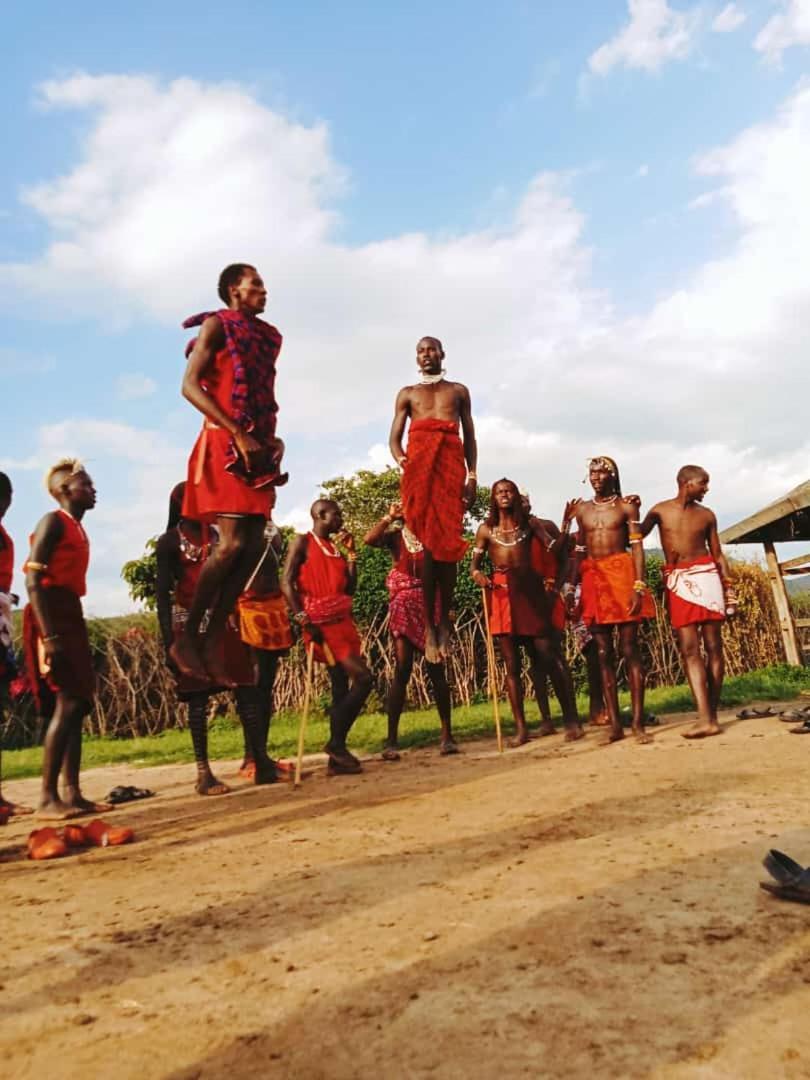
(322, 582)
(546, 564)
(6, 560)
(432, 487)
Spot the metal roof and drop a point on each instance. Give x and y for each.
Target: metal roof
(786, 519)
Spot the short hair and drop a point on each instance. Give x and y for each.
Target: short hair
(689, 472)
(319, 504)
(176, 505)
(5, 486)
(64, 467)
(231, 276)
(435, 340)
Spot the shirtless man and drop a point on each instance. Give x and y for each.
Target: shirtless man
(519, 610)
(614, 592)
(698, 588)
(435, 493)
(318, 583)
(234, 466)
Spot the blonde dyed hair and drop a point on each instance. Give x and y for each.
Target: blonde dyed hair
(67, 465)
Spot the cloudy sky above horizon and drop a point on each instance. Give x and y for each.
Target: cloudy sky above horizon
(602, 211)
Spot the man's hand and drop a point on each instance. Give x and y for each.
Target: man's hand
(395, 512)
(634, 607)
(470, 491)
(248, 448)
(632, 500)
(402, 460)
(346, 540)
(570, 511)
(480, 579)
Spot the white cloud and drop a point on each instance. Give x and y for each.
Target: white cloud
(133, 385)
(780, 32)
(642, 171)
(729, 19)
(555, 375)
(655, 35)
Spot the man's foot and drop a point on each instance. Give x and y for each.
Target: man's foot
(207, 784)
(432, 654)
(188, 659)
(10, 809)
(702, 731)
(448, 747)
(56, 810)
(390, 752)
(247, 769)
(520, 738)
(616, 735)
(341, 761)
(546, 728)
(573, 732)
(641, 736)
(600, 719)
(76, 801)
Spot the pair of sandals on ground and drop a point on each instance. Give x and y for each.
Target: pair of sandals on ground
(799, 716)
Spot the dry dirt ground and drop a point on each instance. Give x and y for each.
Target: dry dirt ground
(557, 911)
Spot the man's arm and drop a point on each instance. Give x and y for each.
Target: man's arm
(345, 539)
(470, 445)
(548, 537)
(47, 536)
(164, 552)
(296, 554)
(637, 551)
(402, 410)
(378, 535)
(481, 545)
(716, 551)
(651, 520)
(211, 339)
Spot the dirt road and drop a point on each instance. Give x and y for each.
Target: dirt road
(557, 911)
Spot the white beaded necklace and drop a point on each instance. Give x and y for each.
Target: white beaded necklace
(335, 554)
(431, 380)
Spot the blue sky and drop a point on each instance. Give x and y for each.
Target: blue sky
(519, 181)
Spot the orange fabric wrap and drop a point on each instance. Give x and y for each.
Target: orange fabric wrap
(607, 591)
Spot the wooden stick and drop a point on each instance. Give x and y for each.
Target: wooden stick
(302, 726)
(491, 672)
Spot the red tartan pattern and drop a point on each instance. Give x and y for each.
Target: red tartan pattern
(432, 488)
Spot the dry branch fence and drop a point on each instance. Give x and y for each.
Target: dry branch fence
(136, 692)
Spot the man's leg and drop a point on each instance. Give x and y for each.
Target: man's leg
(715, 662)
(441, 693)
(345, 711)
(689, 645)
(510, 654)
(6, 807)
(538, 673)
(68, 713)
(403, 666)
(267, 662)
(250, 708)
(549, 658)
(430, 586)
(222, 579)
(597, 713)
(603, 637)
(446, 574)
(71, 768)
(628, 641)
(207, 783)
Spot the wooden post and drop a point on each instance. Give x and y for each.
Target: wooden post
(780, 596)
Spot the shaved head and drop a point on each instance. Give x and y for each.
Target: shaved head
(321, 506)
(690, 472)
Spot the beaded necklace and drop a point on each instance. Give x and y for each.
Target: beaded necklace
(333, 554)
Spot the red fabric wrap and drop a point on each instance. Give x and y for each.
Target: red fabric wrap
(517, 603)
(73, 672)
(681, 612)
(607, 591)
(6, 560)
(546, 564)
(322, 583)
(432, 488)
(67, 566)
(406, 608)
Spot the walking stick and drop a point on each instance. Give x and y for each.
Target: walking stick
(302, 727)
(491, 672)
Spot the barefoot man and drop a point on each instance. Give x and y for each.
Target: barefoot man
(434, 490)
(318, 583)
(57, 648)
(614, 592)
(519, 609)
(234, 466)
(698, 590)
(7, 600)
(181, 554)
(406, 625)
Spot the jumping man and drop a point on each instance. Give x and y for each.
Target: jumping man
(434, 490)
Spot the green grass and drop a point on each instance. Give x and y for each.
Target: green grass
(417, 728)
